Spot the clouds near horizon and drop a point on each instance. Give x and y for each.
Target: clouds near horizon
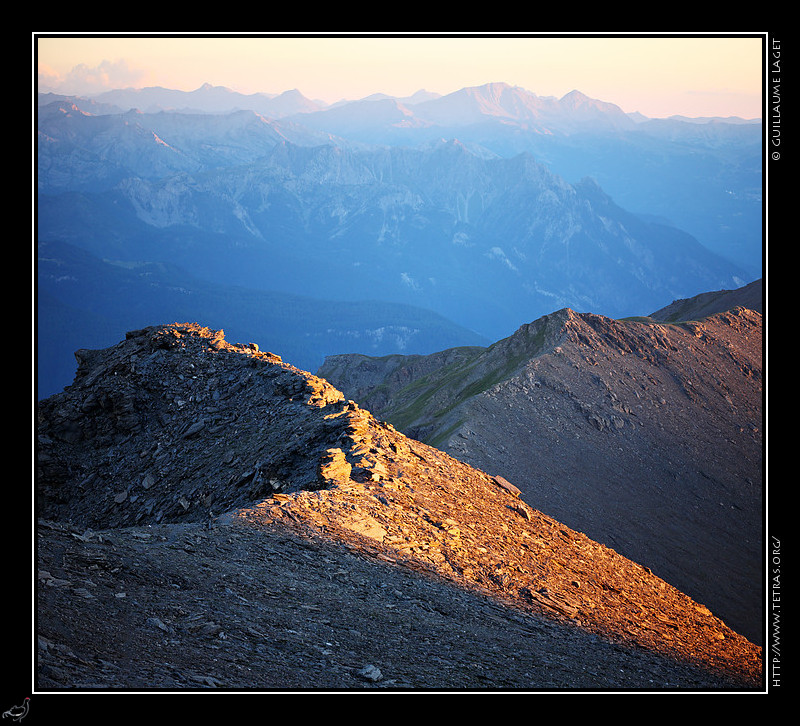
(86, 80)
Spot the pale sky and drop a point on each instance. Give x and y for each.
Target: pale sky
(658, 76)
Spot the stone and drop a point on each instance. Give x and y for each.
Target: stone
(156, 623)
(194, 429)
(366, 526)
(507, 485)
(370, 673)
(522, 511)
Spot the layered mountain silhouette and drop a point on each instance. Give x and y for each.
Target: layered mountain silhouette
(646, 435)
(469, 214)
(210, 516)
(702, 174)
(84, 300)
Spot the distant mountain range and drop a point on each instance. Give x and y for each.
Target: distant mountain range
(459, 205)
(703, 175)
(513, 103)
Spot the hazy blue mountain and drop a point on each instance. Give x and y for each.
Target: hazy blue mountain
(208, 99)
(483, 231)
(485, 242)
(80, 150)
(85, 302)
(704, 175)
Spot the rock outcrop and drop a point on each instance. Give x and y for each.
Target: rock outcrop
(184, 483)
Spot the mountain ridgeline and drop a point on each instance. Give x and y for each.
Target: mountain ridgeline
(210, 516)
(486, 208)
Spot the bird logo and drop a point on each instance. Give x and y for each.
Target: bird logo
(17, 713)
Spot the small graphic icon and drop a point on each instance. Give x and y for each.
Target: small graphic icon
(17, 713)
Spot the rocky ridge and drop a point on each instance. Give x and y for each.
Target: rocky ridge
(750, 296)
(193, 493)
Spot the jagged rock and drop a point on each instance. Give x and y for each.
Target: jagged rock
(186, 442)
(334, 468)
(370, 673)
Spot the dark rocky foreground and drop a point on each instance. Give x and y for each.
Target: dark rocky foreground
(211, 518)
(241, 607)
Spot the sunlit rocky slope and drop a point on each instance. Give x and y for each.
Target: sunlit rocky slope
(212, 517)
(647, 436)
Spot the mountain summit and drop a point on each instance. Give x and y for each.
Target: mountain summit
(192, 493)
(516, 106)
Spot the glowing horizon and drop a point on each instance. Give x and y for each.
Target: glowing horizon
(658, 76)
